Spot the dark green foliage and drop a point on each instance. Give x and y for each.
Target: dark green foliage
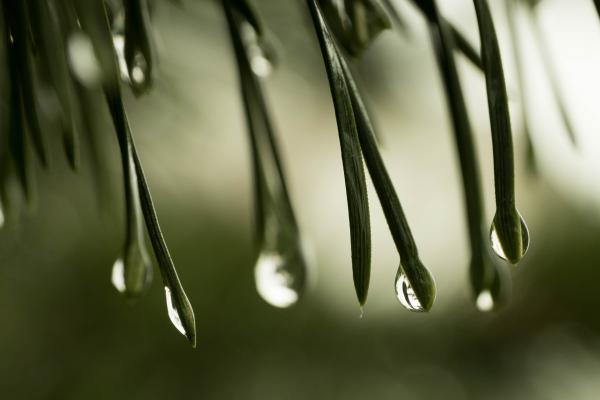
(486, 273)
(507, 222)
(356, 190)
(277, 231)
(355, 23)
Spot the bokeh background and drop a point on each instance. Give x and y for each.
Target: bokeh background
(65, 333)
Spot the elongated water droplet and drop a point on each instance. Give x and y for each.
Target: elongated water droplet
(261, 54)
(118, 275)
(173, 313)
(139, 69)
(406, 295)
(485, 301)
(279, 279)
(497, 245)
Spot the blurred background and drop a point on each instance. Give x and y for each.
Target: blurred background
(65, 333)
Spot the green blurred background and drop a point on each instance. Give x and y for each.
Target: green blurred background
(65, 333)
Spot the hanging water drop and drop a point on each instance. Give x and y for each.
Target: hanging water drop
(261, 65)
(118, 275)
(261, 54)
(173, 313)
(279, 279)
(485, 301)
(406, 295)
(497, 245)
(138, 70)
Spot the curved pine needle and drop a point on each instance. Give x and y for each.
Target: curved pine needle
(397, 18)
(356, 190)
(94, 21)
(17, 16)
(278, 234)
(419, 277)
(51, 36)
(487, 275)
(247, 10)
(17, 136)
(355, 23)
(460, 41)
(507, 222)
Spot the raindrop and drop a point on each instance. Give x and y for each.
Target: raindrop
(279, 279)
(261, 65)
(485, 301)
(118, 275)
(260, 53)
(139, 68)
(497, 246)
(173, 313)
(406, 295)
(82, 59)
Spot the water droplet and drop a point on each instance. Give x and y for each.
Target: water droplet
(261, 65)
(406, 295)
(497, 245)
(173, 313)
(260, 53)
(139, 68)
(118, 275)
(485, 301)
(277, 279)
(82, 59)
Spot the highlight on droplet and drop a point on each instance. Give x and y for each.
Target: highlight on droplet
(139, 68)
(173, 313)
(485, 301)
(274, 283)
(118, 275)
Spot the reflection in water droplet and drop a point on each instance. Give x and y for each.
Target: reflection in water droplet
(497, 246)
(406, 295)
(173, 313)
(274, 282)
(118, 275)
(485, 301)
(82, 59)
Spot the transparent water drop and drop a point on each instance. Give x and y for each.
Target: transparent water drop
(118, 275)
(497, 246)
(173, 313)
(82, 59)
(406, 295)
(277, 280)
(485, 301)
